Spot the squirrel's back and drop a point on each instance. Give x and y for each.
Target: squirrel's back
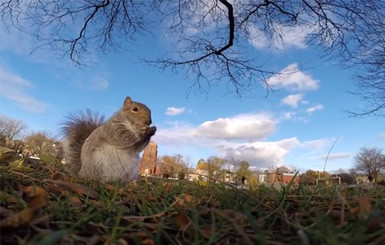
(77, 128)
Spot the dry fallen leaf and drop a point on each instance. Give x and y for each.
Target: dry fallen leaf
(186, 200)
(365, 206)
(57, 176)
(82, 190)
(183, 222)
(36, 197)
(214, 203)
(33, 191)
(148, 241)
(131, 219)
(207, 231)
(166, 186)
(75, 201)
(18, 219)
(231, 215)
(10, 200)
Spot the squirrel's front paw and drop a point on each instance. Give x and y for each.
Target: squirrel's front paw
(149, 131)
(152, 130)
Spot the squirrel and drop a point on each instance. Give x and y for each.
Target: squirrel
(108, 150)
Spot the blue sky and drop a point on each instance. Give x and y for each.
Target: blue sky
(295, 126)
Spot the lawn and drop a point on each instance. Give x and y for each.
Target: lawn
(41, 205)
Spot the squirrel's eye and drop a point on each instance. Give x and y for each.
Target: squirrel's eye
(135, 109)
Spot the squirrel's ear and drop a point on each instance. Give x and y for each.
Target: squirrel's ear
(127, 101)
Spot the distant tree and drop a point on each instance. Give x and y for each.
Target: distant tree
(346, 178)
(211, 37)
(370, 161)
(310, 177)
(41, 142)
(353, 173)
(282, 169)
(244, 171)
(202, 165)
(307, 179)
(11, 128)
(318, 174)
(214, 167)
(173, 166)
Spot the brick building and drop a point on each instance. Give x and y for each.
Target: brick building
(148, 164)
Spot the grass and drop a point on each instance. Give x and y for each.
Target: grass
(64, 210)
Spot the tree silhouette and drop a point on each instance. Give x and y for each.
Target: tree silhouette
(371, 161)
(212, 38)
(11, 128)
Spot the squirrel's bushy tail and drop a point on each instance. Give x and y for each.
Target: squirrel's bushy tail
(76, 129)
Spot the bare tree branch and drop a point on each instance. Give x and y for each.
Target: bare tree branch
(211, 39)
(11, 128)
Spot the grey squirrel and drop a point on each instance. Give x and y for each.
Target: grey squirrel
(108, 150)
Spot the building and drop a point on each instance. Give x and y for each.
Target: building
(148, 164)
(281, 178)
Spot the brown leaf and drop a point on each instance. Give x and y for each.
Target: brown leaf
(141, 234)
(231, 215)
(131, 219)
(18, 219)
(186, 200)
(189, 198)
(121, 241)
(36, 197)
(207, 231)
(82, 190)
(5, 212)
(374, 224)
(166, 186)
(214, 203)
(354, 210)
(183, 222)
(33, 191)
(10, 200)
(365, 207)
(75, 201)
(57, 176)
(108, 240)
(148, 241)
(109, 187)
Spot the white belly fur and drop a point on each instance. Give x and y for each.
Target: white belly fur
(108, 163)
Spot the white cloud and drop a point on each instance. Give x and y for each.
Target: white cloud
(291, 78)
(263, 154)
(288, 115)
(242, 127)
(287, 37)
(292, 100)
(15, 88)
(315, 108)
(94, 84)
(334, 156)
(232, 137)
(172, 111)
(98, 84)
(15, 40)
(181, 138)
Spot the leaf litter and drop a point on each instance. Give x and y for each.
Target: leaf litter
(55, 209)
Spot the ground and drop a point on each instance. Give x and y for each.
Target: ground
(42, 204)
